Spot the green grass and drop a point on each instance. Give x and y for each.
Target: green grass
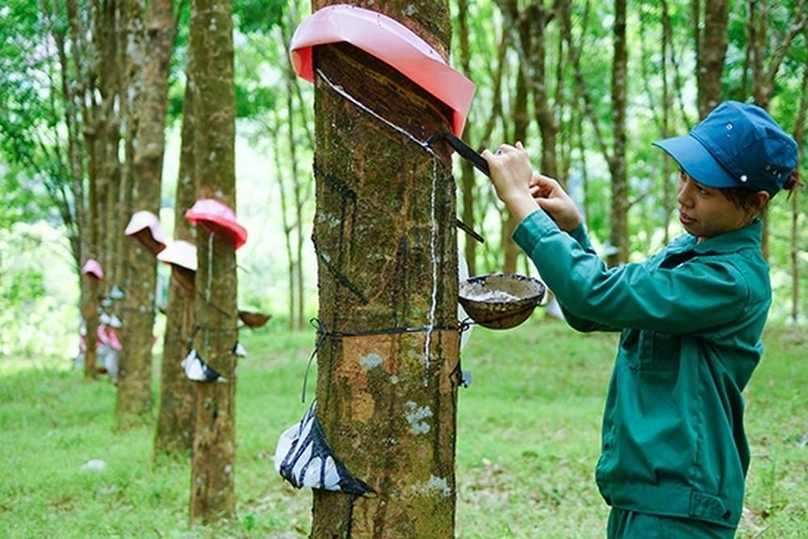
(527, 443)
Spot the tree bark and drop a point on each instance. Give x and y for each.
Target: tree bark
(618, 223)
(174, 433)
(666, 53)
(300, 192)
(92, 90)
(466, 168)
(133, 405)
(763, 47)
(213, 475)
(522, 25)
(796, 234)
(386, 245)
(151, 51)
(712, 50)
(618, 229)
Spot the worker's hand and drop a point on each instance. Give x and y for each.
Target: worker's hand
(511, 174)
(555, 201)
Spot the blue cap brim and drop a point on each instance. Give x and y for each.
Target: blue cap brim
(697, 161)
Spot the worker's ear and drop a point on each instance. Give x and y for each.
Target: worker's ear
(761, 199)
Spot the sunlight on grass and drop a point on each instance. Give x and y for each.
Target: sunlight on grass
(10, 366)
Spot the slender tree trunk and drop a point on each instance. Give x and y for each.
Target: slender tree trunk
(105, 55)
(288, 229)
(520, 122)
(466, 168)
(667, 106)
(799, 137)
(92, 90)
(467, 171)
(711, 53)
(763, 47)
(618, 230)
(174, 433)
(523, 26)
(176, 417)
(145, 98)
(385, 239)
(539, 83)
(76, 114)
(299, 187)
(117, 44)
(213, 474)
(75, 160)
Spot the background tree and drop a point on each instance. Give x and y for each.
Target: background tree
(176, 414)
(283, 128)
(152, 32)
(475, 42)
(299, 185)
(796, 232)
(90, 67)
(618, 241)
(711, 48)
(770, 42)
(213, 474)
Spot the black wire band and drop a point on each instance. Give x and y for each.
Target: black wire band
(323, 333)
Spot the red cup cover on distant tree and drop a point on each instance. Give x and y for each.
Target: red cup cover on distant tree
(218, 219)
(145, 227)
(93, 267)
(389, 41)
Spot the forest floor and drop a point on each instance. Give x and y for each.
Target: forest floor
(528, 433)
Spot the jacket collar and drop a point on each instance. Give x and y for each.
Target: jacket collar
(748, 237)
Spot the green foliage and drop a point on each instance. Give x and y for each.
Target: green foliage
(34, 182)
(37, 310)
(527, 443)
(259, 16)
(249, 103)
(21, 200)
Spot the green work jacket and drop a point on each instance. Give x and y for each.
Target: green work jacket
(691, 318)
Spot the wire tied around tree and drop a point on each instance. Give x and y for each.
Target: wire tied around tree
(323, 333)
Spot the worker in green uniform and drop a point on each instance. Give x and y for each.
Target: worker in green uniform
(674, 453)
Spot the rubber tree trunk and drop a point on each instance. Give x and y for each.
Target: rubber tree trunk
(89, 303)
(174, 433)
(618, 229)
(386, 244)
(156, 46)
(213, 474)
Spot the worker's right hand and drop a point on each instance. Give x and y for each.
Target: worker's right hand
(511, 173)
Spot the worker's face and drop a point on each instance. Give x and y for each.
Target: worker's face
(705, 212)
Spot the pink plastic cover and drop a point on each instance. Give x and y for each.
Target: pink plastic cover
(219, 219)
(145, 222)
(93, 267)
(179, 253)
(391, 42)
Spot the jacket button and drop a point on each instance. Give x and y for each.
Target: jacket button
(606, 446)
(726, 515)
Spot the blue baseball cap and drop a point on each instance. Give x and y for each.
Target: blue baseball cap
(736, 145)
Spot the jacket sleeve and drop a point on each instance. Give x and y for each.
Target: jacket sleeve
(576, 322)
(702, 293)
